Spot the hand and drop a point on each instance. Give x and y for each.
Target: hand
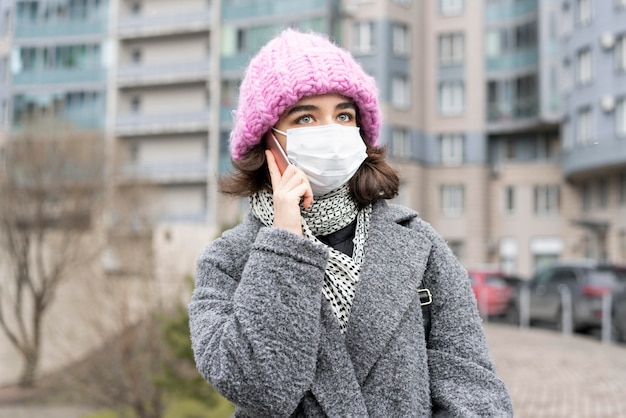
(288, 189)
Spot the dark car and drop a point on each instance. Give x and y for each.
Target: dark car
(619, 308)
(587, 282)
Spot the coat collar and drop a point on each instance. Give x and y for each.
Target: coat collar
(385, 290)
(394, 262)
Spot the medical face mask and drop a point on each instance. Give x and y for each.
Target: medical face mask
(328, 154)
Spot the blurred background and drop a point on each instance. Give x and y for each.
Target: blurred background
(505, 118)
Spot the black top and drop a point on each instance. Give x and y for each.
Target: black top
(342, 240)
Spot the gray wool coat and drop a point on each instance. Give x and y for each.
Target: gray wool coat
(264, 335)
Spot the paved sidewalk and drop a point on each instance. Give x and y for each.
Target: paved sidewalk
(548, 375)
(551, 375)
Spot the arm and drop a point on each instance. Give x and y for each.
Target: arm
(255, 326)
(463, 379)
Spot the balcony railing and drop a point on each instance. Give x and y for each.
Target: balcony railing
(60, 76)
(243, 9)
(27, 29)
(511, 112)
(130, 124)
(130, 26)
(145, 74)
(603, 153)
(496, 12)
(514, 61)
(168, 171)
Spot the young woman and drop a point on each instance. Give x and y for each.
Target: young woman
(312, 306)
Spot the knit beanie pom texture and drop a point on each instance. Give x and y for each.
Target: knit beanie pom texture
(292, 66)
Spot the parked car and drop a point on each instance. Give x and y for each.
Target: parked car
(619, 308)
(493, 291)
(587, 282)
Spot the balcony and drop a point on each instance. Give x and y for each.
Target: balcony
(235, 63)
(34, 29)
(168, 172)
(59, 76)
(245, 9)
(516, 61)
(141, 75)
(171, 122)
(156, 25)
(504, 115)
(600, 155)
(498, 12)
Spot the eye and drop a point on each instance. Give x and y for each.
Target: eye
(306, 119)
(344, 117)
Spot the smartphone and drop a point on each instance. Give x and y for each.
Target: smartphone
(277, 151)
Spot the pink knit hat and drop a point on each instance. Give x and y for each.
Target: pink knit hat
(289, 67)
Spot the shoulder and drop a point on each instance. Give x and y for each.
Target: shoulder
(406, 217)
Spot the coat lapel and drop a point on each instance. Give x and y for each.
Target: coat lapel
(386, 287)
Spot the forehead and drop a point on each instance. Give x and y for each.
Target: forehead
(330, 100)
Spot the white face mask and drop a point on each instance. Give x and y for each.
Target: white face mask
(328, 154)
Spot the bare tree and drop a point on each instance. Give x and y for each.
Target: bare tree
(51, 190)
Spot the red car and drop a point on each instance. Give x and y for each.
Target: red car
(493, 291)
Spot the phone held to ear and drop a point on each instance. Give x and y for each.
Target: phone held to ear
(277, 151)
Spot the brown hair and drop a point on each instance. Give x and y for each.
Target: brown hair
(374, 180)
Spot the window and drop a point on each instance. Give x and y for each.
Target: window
(603, 193)
(400, 92)
(622, 188)
(585, 194)
(509, 200)
(400, 143)
(135, 56)
(542, 149)
(583, 12)
(401, 39)
(525, 36)
(451, 49)
(452, 197)
(458, 248)
(451, 98)
(363, 37)
(135, 8)
(620, 117)
(620, 53)
(547, 200)
(584, 134)
(451, 7)
(135, 104)
(583, 67)
(242, 44)
(622, 244)
(451, 149)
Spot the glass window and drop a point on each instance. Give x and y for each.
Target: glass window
(584, 66)
(583, 12)
(547, 200)
(622, 188)
(586, 196)
(509, 200)
(451, 98)
(401, 39)
(451, 48)
(400, 143)
(363, 37)
(620, 53)
(400, 92)
(451, 7)
(603, 192)
(585, 132)
(451, 149)
(452, 199)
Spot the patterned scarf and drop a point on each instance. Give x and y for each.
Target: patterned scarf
(329, 214)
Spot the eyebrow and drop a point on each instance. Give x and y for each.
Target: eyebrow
(309, 108)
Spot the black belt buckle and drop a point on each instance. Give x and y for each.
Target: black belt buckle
(426, 298)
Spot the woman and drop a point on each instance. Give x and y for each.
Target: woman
(311, 307)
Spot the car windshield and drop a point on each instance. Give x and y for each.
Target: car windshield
(496, 281)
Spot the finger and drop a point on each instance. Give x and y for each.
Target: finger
(273, 169)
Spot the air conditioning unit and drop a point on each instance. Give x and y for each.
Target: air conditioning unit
(607, 40)
(607, 103)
